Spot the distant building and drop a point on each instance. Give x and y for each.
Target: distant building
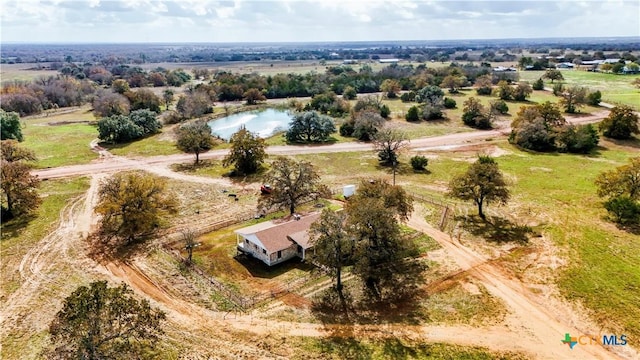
(389, 61)
(349, 61)
(273, 243)
(503, 69)
(564, 65)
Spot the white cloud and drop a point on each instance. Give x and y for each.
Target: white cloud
(310, 20)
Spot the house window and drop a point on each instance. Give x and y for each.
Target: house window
(279, 254)
(264, 251)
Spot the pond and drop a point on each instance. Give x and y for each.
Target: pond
(262, 122)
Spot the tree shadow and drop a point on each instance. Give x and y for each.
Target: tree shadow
(192, 167)
(634, 142)
(401, 169)
(495, 229)
(242, 179)
(13, 227)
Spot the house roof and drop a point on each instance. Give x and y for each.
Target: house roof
(279, 236)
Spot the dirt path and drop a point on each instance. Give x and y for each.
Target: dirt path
(111, 163)
(537, 323)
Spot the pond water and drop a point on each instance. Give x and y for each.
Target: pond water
(262, 122)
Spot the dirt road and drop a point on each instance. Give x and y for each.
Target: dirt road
(110, 163)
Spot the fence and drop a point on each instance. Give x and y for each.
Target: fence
(448, 208)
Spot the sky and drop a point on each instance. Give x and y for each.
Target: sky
(133, 21)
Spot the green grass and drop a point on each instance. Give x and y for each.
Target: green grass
(602, 271)
(394, 348)
(61, 144)
(149, 146)
(18, 237)
(614, 88)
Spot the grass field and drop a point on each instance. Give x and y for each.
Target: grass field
(61, 144)
(377, 349)
(22, 72)
(615, 88)
(150, 146)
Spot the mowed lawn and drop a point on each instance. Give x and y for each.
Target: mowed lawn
(615, 88)
(58, 145)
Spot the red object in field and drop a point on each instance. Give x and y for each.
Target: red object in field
(265, 189)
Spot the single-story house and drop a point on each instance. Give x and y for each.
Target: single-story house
(273, 243)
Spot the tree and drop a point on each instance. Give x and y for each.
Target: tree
(413, 114)
(118, 129)
(449, 103)
(19, 188)
(310, 126)
(99, 322)
(252, 96)
(453, 83)
(498, 107)
(577, 139)
(538, 84)
(331, 244)
(195, 138)
(391, 88)
(132, 206)
(504, 90)
(120, 86)
(522, 91)
(378, 249)
(364, 125)
(189, 238)
(621, 181)
(573, 98)
(292, 183)
(167, 97)
(194, 104)
(419, 162)
(349, 93)
(482, 183)
(475, 115)
(247, 152)
(621, 123)
(388, 142)
(143, 99)
(594, 98)
(10, 127)
(432, 97)
(553, 74)
(484, 85)
(621, 188)
(147, 120)
(108, 104)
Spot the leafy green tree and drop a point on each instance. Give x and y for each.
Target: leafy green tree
(118, 129)
(363, 125)
(253, 96)
(391, 88)
(388, 142)
(413, 114)
(577, 139)
(19, 188)
(378, 247)
(453, 83)
(573, 98)
(498, 107)
(195, 138)
(475, 115)
(147, 120)
(292, 183)
(538, 84)
(349, 93)
(132, 205)
(625, 210)
(449, 103)
(328, 103)
(167, 96)
(533, 135)
(553, 74)
(120, 86)
(504, 90)
(419, 162)
(99, 322)
(247, 152)
(10, 127)
(621, 123)
(594, 98)
(482, 183)
(309, 127)
(433, 99)
(621, 181)
(331, 244)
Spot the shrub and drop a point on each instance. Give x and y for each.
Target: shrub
(449, 103)
(413, 114)
(349, 93)
(408, 96)
(594, 98)
(346, 129)
(557, 89)
(538, 85)
(577, 139)
(419, 162)
(385, 111)
(499, 106)
(624, 209)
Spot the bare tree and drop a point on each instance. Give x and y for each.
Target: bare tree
(388, 142)
(189, 238)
